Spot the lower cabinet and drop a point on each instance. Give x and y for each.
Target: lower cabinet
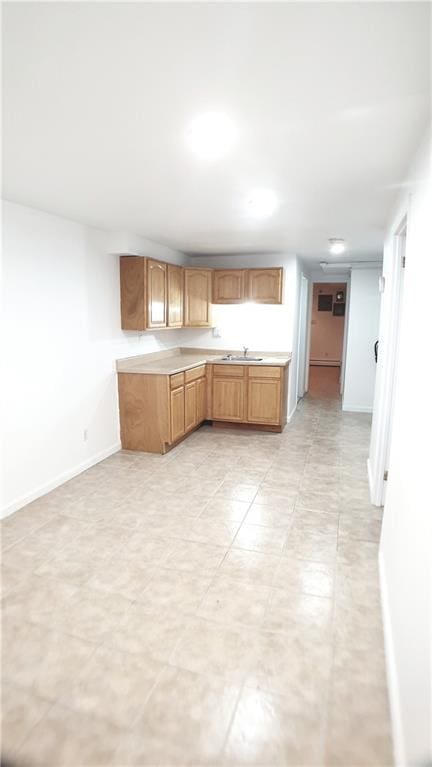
(177, 413)
(249, 394)
(228, 399)
(156, 411)
(264, 401)
(191, 412)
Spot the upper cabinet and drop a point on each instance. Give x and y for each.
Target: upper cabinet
(156, 294)
(159, 295)
(133, 292)
(264, 286)
(228, 286)
(175, 296)
(234, 286)
(197, 298)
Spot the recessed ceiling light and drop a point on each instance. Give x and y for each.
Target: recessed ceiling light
(261, 203)
(336, 246)
(211, 135)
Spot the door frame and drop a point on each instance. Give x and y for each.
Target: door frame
(303, 339)
(387, 363)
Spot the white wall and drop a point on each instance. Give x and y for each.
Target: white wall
(61, 326)
(363, 326)
(260, 327)
(405, 554)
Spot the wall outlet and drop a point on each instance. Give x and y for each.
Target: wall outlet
(85, 435)
(216, 333)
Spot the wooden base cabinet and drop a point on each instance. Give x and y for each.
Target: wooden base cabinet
(250, 395)
(156, 411)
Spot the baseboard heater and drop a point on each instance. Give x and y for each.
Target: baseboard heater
(326, 362)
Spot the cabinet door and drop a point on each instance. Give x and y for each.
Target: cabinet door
(175, 296)
(264, 401)
(190, 405)
(156, 294)
(228, 399)
(197, 298)
(265, 286)
(177, 413)
(132, 292)
(228, 286)
(201, 385)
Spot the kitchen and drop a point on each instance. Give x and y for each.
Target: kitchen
(188, 524)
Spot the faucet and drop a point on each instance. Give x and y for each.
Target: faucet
(245, 351)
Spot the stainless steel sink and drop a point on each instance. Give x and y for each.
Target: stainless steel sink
(242, 358)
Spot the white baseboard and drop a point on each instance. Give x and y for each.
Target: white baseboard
(59, 480)
(326, 363)
(392, 674)
(290, 415)
(356, 408)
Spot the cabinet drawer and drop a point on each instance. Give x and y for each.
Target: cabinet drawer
(177, 380)
(230, 371)
(264, 371)
(192, 375)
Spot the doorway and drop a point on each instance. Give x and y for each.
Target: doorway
(327, 330)
(388, 356)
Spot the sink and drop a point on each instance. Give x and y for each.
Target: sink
(242, 358)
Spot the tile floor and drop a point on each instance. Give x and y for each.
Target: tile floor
(218, 605)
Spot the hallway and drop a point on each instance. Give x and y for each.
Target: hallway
(219, 604)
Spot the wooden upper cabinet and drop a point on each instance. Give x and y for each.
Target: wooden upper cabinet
(156, 294)
(264, 286)
(175, 296)
(197, 298)
(133, 292)
(228, 286)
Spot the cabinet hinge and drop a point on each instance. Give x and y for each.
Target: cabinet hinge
(385, 476)
(403, 262)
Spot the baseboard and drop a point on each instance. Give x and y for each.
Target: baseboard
(356, 409)
(326, 363)
(59, 480)
(290, 415)
(391, 668)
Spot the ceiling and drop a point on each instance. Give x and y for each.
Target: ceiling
(329, 101)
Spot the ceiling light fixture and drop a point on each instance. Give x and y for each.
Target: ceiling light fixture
(261, 203)
(336, 246)
(211, 135)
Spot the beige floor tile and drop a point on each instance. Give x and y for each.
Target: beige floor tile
(237, 491)
(190, 556)
(65, 738)
(225, 510)
(185, 721)
(139, 632)
(172, 591)
(268, 540)
(114, 685)
(259, 514)
(91, 614)
(306, 577)
(251, 566)
(212, 531)
(267, 730)
(133, 565)
(208, 647)
(46, 661)
(313, 546)
(292, 664)
(232, 601)
(21, 711)
(291, 610)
